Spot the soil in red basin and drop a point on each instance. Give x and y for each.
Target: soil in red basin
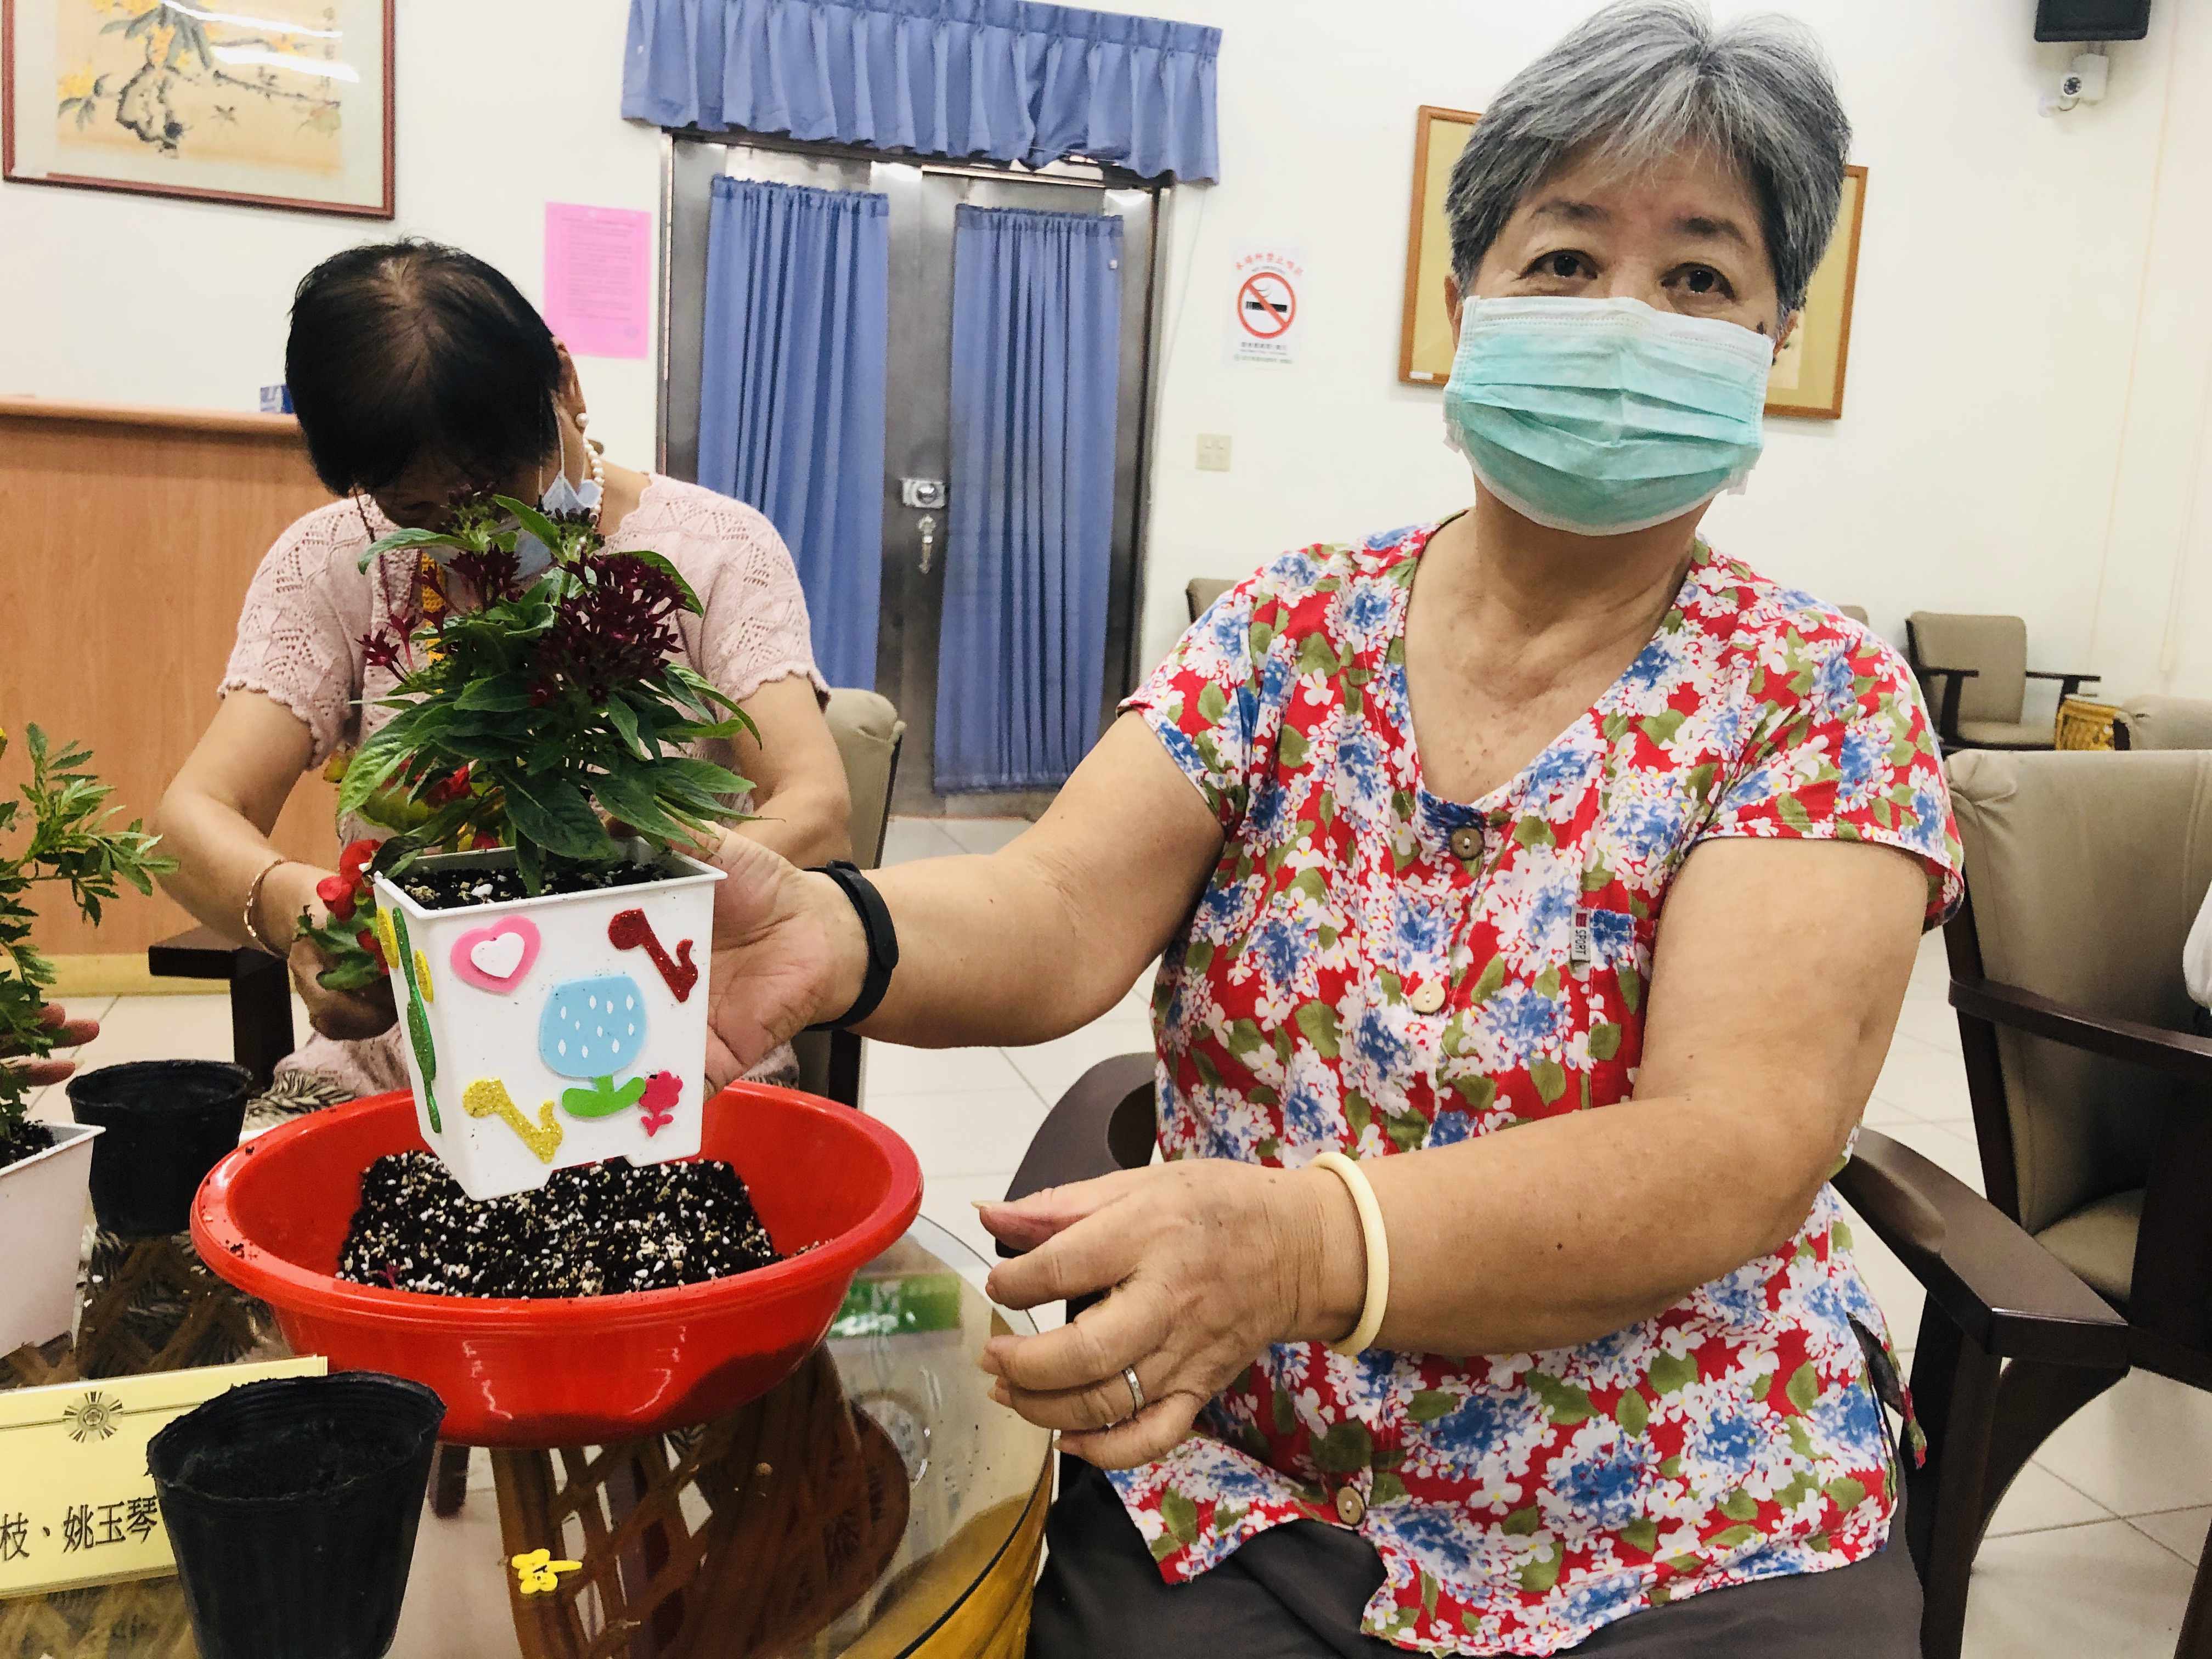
(592, 1230)
(292, 1460)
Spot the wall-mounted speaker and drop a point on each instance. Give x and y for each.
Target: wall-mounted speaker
(2092, 20)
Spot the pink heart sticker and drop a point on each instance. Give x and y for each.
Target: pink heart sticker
(498, 956)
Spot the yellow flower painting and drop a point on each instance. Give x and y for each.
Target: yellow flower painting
(184, 81)
(281, 101)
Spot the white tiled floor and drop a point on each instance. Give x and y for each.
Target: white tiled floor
(2094, 1547)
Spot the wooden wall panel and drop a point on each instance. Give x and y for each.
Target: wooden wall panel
(127, 537)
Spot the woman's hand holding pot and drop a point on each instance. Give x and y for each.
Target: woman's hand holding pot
(788, 953)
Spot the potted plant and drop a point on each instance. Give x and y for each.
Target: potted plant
(551, 973)
(45, 1168)
(291, 1505)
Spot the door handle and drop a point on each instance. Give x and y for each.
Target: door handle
(928, 525)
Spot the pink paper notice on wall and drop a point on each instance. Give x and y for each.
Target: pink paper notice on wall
(599, 278)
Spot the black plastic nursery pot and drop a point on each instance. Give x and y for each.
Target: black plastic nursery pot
(291, 1505)
(168, 1122)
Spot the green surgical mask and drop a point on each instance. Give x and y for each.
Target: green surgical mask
(1604, 416)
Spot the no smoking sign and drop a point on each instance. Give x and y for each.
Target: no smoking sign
(1265, 324)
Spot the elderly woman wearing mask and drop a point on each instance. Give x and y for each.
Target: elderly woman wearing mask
(1537, 892)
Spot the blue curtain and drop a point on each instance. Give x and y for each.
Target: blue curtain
(1009, 79)
(791, 394)
(1036, 338)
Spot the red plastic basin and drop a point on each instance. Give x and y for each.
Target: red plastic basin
(573, 1371)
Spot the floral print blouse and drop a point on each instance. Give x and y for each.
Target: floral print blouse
(1377, 969)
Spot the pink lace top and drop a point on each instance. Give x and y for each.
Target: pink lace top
(310, 606)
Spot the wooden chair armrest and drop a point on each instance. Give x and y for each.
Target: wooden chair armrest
(200, 953)
(1954, 686)
(2006, 1294)
(2072, 680)
(1105, 1122)
(2129, 1040)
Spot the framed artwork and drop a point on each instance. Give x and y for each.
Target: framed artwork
(285, 104)
(1424, 334)
(1807, 378)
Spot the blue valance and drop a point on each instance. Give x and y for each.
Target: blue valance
(1009, 79)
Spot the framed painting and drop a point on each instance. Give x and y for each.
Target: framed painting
(1425, 333)
(1807, 378)
(290, 106)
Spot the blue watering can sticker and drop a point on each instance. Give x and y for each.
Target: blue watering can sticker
(593, 1028)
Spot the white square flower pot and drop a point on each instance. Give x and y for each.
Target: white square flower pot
(549, 1032)
(42, 1205)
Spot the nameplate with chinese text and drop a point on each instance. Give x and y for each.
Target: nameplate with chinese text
(76, 1504)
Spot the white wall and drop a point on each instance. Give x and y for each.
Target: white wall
(2002, 275)
(2026, 420)
(143, 299)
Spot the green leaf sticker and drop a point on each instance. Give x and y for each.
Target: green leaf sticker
(1318, 1021)
(1551, 1082)
(1631, 1411)
(1803, 1387)
(1672, 1371)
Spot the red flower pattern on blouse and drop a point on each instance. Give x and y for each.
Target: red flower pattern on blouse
(1518, 1502)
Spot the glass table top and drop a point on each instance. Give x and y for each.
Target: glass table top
(849, 1512)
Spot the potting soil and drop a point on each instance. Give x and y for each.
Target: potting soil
(455, 889)
(592, 1230)
(294, 1459)
(26, 1140)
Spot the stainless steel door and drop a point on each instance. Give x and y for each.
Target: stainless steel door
(917, 450)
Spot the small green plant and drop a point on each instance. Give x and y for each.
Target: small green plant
(533, 718)
(69, 841)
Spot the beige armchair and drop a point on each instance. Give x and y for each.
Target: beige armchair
(869, 733)
(2093, 1105)
(1203, 592)
(2153, 722)
(1974, 671)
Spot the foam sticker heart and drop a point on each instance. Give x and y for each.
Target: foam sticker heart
(498, 956)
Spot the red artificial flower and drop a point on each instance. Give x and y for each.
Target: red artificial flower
(355, 860)
(367, 941)
(450, 788)
(337, 893)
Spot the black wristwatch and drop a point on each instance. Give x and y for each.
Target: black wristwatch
(882, 937)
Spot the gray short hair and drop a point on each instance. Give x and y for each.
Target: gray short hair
(1639, 80)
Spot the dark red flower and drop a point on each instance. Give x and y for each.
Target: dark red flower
(367, 941)
(382, 649)
(450, 787)
(613, 629)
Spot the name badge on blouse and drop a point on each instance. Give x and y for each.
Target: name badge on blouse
(1582, 939)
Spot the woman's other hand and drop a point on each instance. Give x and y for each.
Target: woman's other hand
(788, 951)
(347, 1016)
(68, 1034)
(1207, 1261)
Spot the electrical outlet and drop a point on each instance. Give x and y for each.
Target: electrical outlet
(1214, 451)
